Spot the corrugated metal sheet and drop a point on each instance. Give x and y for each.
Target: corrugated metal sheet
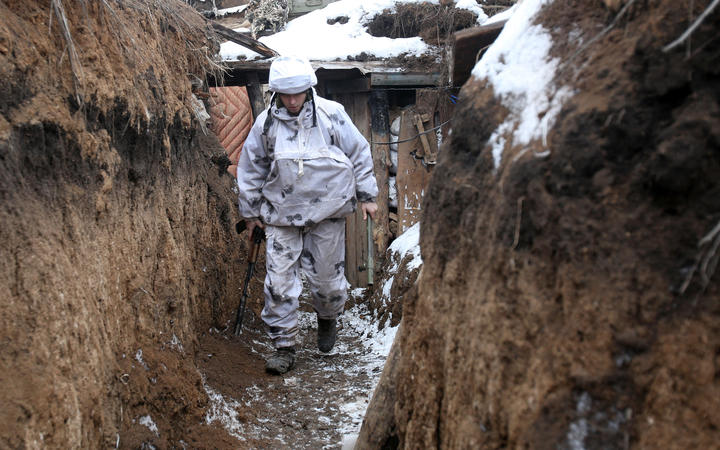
(231, 120)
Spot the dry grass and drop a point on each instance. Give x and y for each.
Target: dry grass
(433, 23)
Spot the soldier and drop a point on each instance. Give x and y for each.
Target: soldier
(303, 168)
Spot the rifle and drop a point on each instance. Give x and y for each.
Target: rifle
(257, 237)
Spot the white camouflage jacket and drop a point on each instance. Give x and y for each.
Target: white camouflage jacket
(293, 173)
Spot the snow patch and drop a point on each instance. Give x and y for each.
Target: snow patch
(473, 7)
(225, 412)
(311, 36)
(148, 422)
(408, 243)
(234, 10)
(139, 358)
(176, 344)
(521, 72)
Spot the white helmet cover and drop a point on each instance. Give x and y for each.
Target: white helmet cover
(291, 75)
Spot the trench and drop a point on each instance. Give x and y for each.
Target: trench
(320, 403)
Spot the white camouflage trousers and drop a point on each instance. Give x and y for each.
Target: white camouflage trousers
(319, 251)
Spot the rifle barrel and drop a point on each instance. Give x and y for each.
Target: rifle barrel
(243, 300)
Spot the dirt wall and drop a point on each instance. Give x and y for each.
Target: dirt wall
(116, 243)
(568, 308)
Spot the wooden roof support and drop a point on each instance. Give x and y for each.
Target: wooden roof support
(257, 102)
(333, 87)
(380, 120)
(356, 245)
(468, 46)
(405, 79)
(245, 41)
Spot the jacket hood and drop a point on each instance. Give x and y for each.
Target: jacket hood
(291, 75)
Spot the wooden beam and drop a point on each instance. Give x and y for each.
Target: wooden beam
(427, 103)
(245, 41)
(356, 243)
(405, 79)
(380, 122)
(333, 87)
(257, 102)
(468, 46)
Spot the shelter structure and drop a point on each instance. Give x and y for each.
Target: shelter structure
(376, 94)
(403, 106)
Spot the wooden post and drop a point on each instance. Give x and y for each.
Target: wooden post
(356, 244)
(241, 39)
(381, 160)
(380, 424)
(257, 103)
(468, 45)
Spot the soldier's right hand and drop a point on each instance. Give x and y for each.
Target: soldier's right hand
(251, 224)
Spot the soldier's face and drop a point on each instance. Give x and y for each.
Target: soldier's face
(293, 102)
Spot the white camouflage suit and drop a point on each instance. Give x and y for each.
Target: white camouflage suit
(301, 181)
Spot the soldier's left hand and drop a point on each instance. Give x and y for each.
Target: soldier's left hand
(369, 208)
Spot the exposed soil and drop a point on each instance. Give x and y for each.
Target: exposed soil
(566, 308)
(117, 227)
(119, 269)
(565, 301)
(433, 23)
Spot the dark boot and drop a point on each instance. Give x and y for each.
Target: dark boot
(327, 331)
(281, 361)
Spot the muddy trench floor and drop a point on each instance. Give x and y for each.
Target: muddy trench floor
(318, 404)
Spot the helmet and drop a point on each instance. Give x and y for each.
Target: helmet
(291, 75)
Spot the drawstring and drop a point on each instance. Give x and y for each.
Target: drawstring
(302, 135)
(312, 101)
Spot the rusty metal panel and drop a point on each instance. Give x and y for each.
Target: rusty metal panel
(232, 119)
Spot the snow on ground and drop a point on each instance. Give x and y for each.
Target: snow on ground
(311, 36)
(322, 401)
(407, 243)
(521, 72)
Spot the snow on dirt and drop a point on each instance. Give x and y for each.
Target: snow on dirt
(234, 10)
(408, 243)
(313, 37)
(322, 401)
(521, 72)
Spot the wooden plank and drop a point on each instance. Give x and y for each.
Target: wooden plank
(361, 119)
(405, 79)
(356, 243)
(380, 124)
(412, 176)
(257, 102)
(241, 39)
(333, 87)
(467, 47)
(426, 105)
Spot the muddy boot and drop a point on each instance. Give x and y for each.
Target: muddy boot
(327, 331)
(281, 361)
